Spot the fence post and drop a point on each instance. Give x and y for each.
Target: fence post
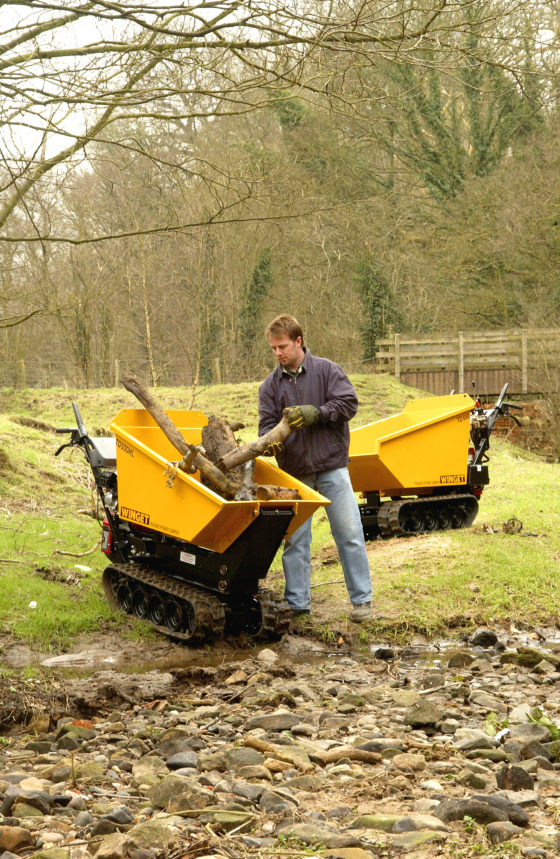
(117, 374)
(398, 356)
(461, 364)
(217, 374)
(524, 368)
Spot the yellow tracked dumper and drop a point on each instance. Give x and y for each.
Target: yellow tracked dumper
(182, 556)
(424, 469)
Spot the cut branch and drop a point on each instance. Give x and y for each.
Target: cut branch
(255, 448)
(192, 457)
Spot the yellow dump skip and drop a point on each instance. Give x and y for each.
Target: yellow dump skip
(426, 445)
(187, 509)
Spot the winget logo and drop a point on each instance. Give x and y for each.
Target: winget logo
(135, 516)
(126, 448)
(451, 478)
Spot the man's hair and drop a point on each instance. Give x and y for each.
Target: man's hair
(284, 324)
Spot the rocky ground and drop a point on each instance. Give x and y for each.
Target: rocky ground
(293, 750)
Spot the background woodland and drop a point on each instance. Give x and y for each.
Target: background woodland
(172, 177)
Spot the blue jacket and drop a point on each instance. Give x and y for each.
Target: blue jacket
(322, 383)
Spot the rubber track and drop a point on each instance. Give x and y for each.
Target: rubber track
(209, 612)
(276, 615)
(388, 516)
(209, 609)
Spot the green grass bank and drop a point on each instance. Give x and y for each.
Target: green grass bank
(438, 584)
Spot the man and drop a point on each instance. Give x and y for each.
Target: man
(321, 401)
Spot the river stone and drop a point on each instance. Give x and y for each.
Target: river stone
(524, 798)
(272, 803)
(489, 702)
(468, 778)
(405, 697)
(83, 818)
(512, 777)
(501, 831)
(535, 749)
(152, 833)
(149, 770)
(553, 750)
(414, 822)
(520, 713)
(412, 840)
(121, 815)
(381, 745)
(14, 838)
(77, 731)
(529, 731)
(170, 786)
(267, 656)
(309, 783)
(256, 772)
(248, 790)
(515, 813)
(528, 657)
(229, 759)
(181, 760)
(38, 800)
(384, 822)
(281, 720)
(52, 853)
(494, 755)
(103, 827)
(483, 637)
(332, 721)
(310, 834)
(408, 761)
(460, 659)
(422, 713)
(175, 745)
(113, 846)
(88, 771)
(345, 853)
(457, 809)
(23, 809)
(229, 819)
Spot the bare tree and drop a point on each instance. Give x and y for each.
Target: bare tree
(71, 73)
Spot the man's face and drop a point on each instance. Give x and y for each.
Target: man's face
(288, 353)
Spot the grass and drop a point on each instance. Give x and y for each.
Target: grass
(435, 583)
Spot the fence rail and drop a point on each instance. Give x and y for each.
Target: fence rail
(527, 358)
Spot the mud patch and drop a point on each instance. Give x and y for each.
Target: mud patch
(58, 574)
(32, 423)
(5, 464)
(24, 701)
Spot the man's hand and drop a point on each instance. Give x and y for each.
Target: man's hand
(273, 448)
(302, 416)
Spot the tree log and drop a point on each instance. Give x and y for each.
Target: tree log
(268, 493)
(193, 457)
(255, 448)
(293, 755)
(349, 752)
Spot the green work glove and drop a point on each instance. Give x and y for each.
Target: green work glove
(303, 416)
(273, 448)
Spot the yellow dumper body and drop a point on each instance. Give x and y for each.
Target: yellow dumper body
(425, 446)
(153, 493)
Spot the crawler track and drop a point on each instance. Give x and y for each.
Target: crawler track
(173, 607)
(189, 613)
(434, 513)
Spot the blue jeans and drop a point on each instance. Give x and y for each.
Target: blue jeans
(346, 528)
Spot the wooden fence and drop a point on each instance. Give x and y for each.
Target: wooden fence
(475, 361)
